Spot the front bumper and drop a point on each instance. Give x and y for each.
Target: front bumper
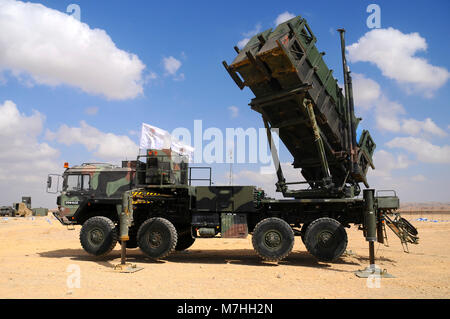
(62, 219)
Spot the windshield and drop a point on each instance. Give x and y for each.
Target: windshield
(76, 182)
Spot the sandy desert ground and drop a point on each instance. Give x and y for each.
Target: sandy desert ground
(40, 258)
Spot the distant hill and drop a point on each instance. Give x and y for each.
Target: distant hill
(428, 206)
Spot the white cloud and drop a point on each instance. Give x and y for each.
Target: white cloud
(387, 176)
(393, 52)
(234, 111)
(387, 123)
(48, 47)
(424, 150)
(283, 17)
(384, 177)
(254, 177)
(416, 188)
(368, 96)
(171, 65)
(415, 127)
(133, 132)
(365, 91)
(248, 35)
(150, 76)
(253, 32)
(386, 162)
(24, 161)
(387, 113)
(107, 146)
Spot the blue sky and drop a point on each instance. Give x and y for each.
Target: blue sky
(199, 35)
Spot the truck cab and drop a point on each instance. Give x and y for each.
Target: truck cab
(92, 189)
(96, 189)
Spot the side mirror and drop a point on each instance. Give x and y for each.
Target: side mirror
(56, 184)
(49, 182)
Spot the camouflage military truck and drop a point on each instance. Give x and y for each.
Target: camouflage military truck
(159, 210)
(91, 192)
(152, 205)
(7, 211)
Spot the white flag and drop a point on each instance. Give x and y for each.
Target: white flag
(183, 149)
(153, 137)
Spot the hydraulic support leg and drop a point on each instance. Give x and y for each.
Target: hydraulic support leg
(370, 225)
(317, 139)
(125, 220)
(281, 184)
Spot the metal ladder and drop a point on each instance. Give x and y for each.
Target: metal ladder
(402, 228)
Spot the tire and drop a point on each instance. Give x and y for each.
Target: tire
(326, 239)
(273, 239)
(303, 232)
(98, 235)
(185, 240)
(157, 237)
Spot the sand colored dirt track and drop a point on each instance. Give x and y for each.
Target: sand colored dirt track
(40, 258)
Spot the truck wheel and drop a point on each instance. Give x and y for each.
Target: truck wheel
(273, 239)
(185, 240)
(98, 235)
(326, 239)
(303, 231)
(157, 237)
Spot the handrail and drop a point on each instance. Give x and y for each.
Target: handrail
(199, 179)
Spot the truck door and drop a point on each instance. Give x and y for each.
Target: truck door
(76, 190)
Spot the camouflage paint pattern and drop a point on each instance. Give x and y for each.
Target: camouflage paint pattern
(69, 204)
(7, 211)
(225, 198)
(166, 167)
(283, 67)
(125, 212)
(106, 181)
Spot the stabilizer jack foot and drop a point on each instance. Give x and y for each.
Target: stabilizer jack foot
(373, 271)
(127, 268)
